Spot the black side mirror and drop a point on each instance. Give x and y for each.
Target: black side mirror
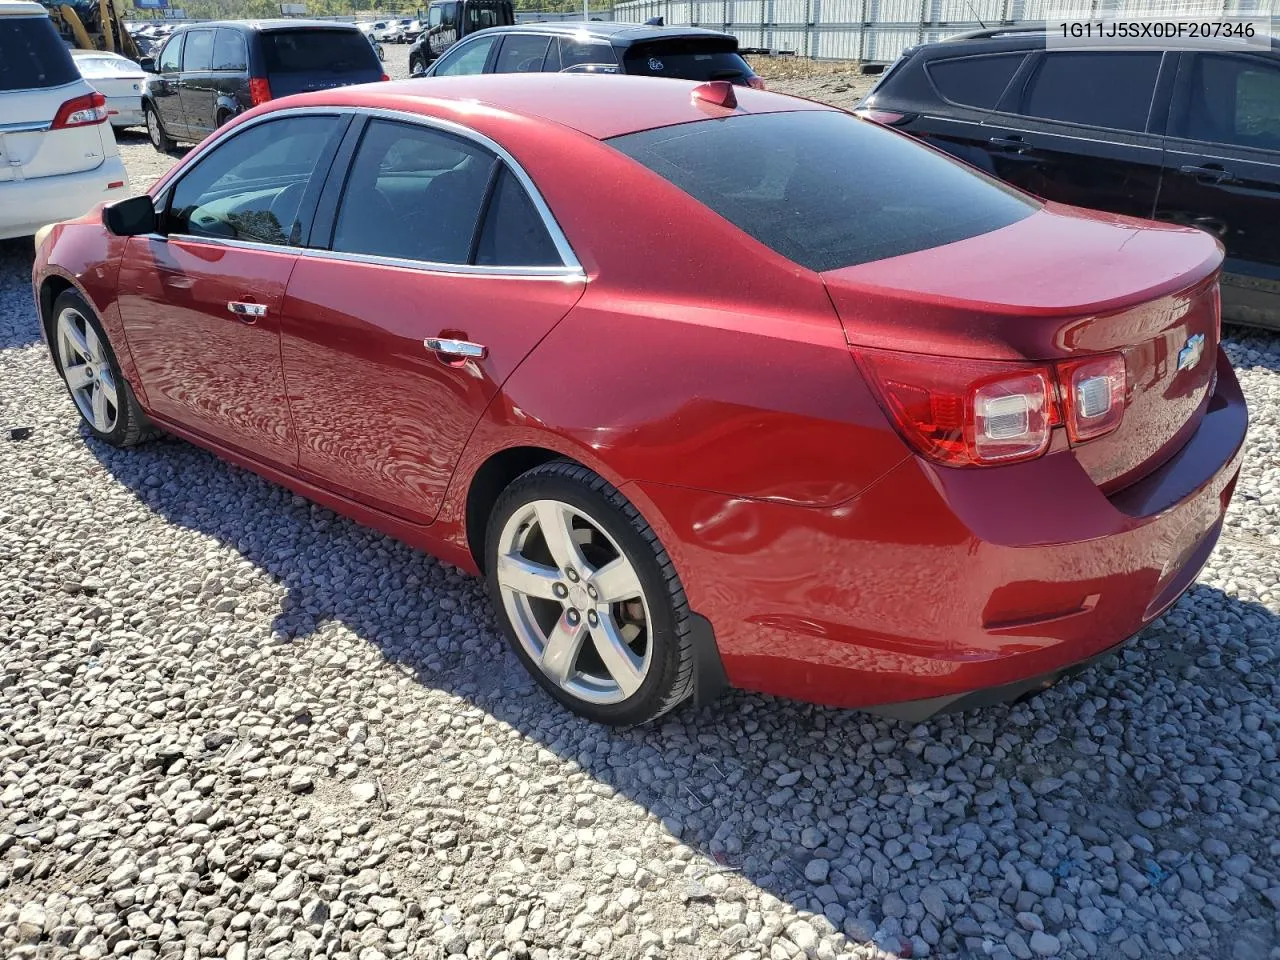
(148, 64)
(130, 218)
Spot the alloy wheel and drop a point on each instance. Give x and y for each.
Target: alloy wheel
(87, 369)
(153, 129)
(575, 601)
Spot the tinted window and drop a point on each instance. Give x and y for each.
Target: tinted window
(574, 52)
(448, 14)
(32, 55)
(413, 193)
(514, 235)
(1097, 89)
(974, 81)
(229, 52)
(1233, 100)
(521, 54)
(825, 189)
(686, 60)
(482, 16)
(250, 187)
(171, 56)
(465, 59)
(318, 51)
(199, 54)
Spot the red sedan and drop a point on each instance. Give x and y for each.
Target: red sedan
(714, 385)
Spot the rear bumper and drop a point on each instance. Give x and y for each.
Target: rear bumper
(27, 205)
(126, 111)
(944, 588)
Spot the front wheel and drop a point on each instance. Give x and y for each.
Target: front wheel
(155, 130)
(588, 598)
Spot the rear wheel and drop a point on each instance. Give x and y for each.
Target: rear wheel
(155, 130)
(588, 598)
(89, 368)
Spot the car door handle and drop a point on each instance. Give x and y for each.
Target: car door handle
(1016, 144)
(454, 349)
(248, 312)
(1210, 173)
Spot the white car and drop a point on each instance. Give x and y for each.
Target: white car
(385, 31)
(118, 79)
(58, 156)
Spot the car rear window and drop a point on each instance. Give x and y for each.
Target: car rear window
(317, 51)
(825, 189)
(32, 55)
(687, 59)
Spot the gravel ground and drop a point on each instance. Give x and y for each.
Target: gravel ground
(235, 725)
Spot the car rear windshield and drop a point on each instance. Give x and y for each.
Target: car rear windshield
(32, 55)
(687, 59)
(825, 189)
(318, 51)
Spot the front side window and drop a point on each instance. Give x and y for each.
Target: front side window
(250, 187)
(171, 55)
(199, 53)
(433, 17)
(414, 193)
(1112, 89)
(229, 51)
(467, 59)
(1233, 100)
(974, 81)
(825, 189)
(522, 53)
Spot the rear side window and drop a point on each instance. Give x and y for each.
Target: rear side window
(687, 60)
(229, 51)
(318, 51)
(199, 55)
(1233, 100)
(1094, 89)
(974, 81)
(32, 55)
(513, 234)
(825, 189)
(577, 52)
(522, 54)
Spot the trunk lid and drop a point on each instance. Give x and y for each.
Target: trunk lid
(1063, 283)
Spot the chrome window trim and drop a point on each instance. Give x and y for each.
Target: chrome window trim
(569, 269)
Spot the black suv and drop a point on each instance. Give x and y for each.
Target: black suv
(206, 73)
(1186, 137)
(685, 53)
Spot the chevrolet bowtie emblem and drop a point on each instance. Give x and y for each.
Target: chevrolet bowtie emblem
(1191, 352)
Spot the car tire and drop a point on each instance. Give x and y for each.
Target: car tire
(89, 369)
(628, 657)
(415, 64)
(155, 129)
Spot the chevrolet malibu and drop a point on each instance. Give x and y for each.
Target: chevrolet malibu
(714, 386)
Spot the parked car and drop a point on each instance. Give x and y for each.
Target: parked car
(410, 30)
(58, 156)
(684, 53)
(207, 73)
(118, 79)
(773, 394)
(1189, 137)
(449, 21)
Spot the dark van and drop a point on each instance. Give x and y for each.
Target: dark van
(206, 73)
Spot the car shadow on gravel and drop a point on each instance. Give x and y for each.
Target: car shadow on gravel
(1103, 811)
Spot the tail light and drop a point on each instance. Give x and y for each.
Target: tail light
(755, 83)
(889, 118)
(981, 413)
(385, 77)
(81, 112)
(259, 90)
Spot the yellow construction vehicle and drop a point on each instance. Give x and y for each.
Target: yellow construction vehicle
(93, 25)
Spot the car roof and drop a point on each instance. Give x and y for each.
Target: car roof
(598, 105)
(264, 26)
(620, 34)
(21, 8)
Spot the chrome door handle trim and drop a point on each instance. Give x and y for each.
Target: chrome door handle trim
(242, 309)
(456, 348)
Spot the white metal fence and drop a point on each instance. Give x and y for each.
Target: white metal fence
(876, 31)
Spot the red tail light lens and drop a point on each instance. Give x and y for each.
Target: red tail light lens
(1093, 395)
(385, 77)
(81, 112)
(259, 90)
(755, 83)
